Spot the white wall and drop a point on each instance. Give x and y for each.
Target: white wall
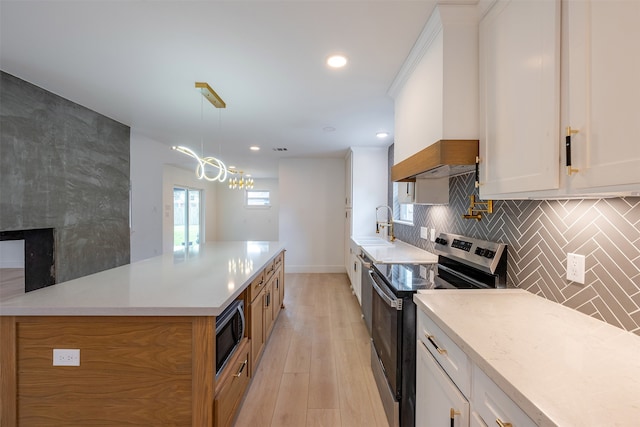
(152, 197)
(147, 160)
(237, 222)
(312, 214)
(177, 177)
(12, 254)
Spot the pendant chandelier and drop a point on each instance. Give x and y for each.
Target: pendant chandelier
(209, 168)
(240, 183)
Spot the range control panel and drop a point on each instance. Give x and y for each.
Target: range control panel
(478, 253)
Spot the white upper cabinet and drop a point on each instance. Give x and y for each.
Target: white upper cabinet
(530, 96)
(348, 181)
(369, 177)
(519, 96)
(436, 90)
(604, 94)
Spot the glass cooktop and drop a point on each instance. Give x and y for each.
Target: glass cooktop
(404, 278)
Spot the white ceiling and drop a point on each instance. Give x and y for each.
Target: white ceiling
(137, 62)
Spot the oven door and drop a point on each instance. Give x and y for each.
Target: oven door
(387, 331)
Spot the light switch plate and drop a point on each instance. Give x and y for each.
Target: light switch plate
(423, 271)
(433, 235)
(575, 268)
(424, 232)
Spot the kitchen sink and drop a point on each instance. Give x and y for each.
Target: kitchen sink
(371, 241)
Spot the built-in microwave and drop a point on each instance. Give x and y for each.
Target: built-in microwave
(229, 332)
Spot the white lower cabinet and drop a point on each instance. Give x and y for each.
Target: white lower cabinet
(493, 406)
(476, 420)
(449, 384)
(438, 400)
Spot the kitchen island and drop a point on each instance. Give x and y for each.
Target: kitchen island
(146, 335)
(523, 353)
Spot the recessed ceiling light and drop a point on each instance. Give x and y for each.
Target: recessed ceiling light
(231, 167)
(254, 148)
(337, 61)
(382, 134)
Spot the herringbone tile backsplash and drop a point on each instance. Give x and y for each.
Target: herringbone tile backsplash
(540, 234)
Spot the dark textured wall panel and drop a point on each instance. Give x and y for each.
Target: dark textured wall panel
(66, 167)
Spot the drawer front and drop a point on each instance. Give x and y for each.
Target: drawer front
(452, 359)
(269, 269)
(228, 398)
(492, 404)
(279, 259)
(256, 286)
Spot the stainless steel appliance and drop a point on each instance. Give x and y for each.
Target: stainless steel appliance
(230, 327)
(463, 263)
(468, 263)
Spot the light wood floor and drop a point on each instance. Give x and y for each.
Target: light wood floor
(315, 370)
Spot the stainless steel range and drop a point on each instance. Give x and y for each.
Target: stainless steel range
(463, 263)
(468, 263)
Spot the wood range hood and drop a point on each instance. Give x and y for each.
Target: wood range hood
(446, 157)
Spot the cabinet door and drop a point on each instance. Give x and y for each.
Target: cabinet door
(268, 309)
(281, 283)
(233, 386)
(347, 241)
(348, 174)
(257, 329)
(492, 404)
(519, 97)
(277, 302)
(437, 397)
(355, 275)
(604, 67)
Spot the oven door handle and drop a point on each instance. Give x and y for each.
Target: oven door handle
(365, 263)
(463, 277)
(390, 301)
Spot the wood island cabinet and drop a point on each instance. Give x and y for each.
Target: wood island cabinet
(231, 385)
(266, 297)
(134, 370)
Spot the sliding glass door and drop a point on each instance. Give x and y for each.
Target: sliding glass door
(187, 212)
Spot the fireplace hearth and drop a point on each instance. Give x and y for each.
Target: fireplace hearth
(39, 256)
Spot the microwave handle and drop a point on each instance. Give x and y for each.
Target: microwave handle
(243, 324)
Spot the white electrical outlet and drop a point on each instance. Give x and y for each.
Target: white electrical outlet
(433, 235)
(423, 271)
(424, 232)
(66, 357)
(575, 268)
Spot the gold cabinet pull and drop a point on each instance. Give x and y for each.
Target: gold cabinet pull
(431, 339)
(239, 373)
(452, 416)
(503, 424)
(567, 144)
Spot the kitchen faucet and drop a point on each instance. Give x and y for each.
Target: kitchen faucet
(389, 223)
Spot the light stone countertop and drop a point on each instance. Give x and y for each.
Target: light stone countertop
(201, 284)
(398, 252)
(562, 367)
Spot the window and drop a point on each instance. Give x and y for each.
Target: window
(258, 198)
(186, 219)
(406, 212)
